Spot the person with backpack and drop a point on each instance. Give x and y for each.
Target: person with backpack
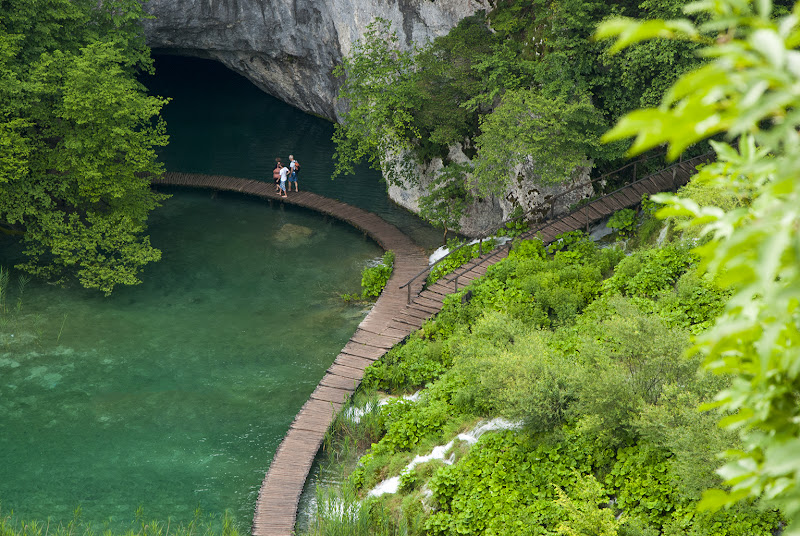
(294, 170)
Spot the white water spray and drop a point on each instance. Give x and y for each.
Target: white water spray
(391, 485)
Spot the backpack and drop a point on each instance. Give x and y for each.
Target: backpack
(296, 165)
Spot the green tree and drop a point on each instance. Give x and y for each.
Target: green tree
(78, 134)
(448, 198)
(747, 91)
(553, 134)
(378, 123)
(444, 80)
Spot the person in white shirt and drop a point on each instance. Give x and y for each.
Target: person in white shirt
(284, 175)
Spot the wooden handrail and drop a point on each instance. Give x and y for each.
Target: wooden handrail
(548, 219)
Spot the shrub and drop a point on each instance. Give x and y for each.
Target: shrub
(640, 479)
(650, 271)
(624, 221)
(374, 278)
(515, 228)
(408, 366)
(506, 485)
(453, 261)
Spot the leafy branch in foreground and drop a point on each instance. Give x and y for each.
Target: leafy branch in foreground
(747, 91)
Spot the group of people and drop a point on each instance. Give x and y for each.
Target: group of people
(282, 174)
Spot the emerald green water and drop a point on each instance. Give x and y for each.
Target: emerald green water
(220, 123)
(174, 394)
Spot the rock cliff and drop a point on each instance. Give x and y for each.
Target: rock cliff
(289, 48)
(488, 213)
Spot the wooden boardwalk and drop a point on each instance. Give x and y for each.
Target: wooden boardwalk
(392, 318)
(388, 322)
(669, 179)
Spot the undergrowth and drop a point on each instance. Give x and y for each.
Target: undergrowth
(586, 348)
(458, 258)
(200, 525)
(374, 279)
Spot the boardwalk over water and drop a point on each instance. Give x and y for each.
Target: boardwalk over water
(392, 318)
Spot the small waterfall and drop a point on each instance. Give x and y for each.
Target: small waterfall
(662, 235)
(391, 485)
(355, 413)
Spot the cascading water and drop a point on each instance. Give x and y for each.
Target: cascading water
(391, 485)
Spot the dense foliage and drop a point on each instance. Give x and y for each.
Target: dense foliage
(585, 348)
(597, 367)
(748, 90)
(77, 133)
(459, 252)
(522, 85)
(374, 278)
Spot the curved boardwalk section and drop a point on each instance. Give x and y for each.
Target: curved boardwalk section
(382, 328)
(392, 318)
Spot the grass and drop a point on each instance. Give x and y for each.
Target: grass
(338, 511)
(199, 526)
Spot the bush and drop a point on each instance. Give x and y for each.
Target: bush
(374, 278)
(506, 485)
(453, 261)
(640, 480)
(409, 366)
(624, 221)
(517, 375)
(650, 271)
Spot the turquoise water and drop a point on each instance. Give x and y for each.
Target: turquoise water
(174, 394)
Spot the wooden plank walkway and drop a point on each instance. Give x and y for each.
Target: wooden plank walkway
(392, 318)
(669, 179)
(276, 506)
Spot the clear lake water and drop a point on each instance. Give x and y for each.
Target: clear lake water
(174, 394)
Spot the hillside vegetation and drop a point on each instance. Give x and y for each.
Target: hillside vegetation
(641, 389)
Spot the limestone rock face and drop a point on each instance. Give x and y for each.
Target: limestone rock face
(488, 213)
(289, 48)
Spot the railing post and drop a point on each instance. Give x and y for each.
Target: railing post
(586, 210)
(674, 185)
(455, 281)
(634, 171)
(480, 247)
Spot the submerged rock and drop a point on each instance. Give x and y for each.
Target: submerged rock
(292, 234)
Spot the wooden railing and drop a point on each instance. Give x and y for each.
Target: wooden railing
(552, 200)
